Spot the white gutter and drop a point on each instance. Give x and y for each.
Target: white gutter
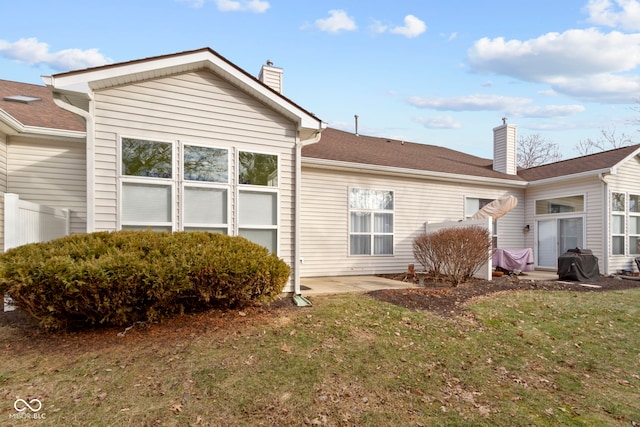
(404, 172)
(38, 131)
(605, 222)
(297, 255)
(90, 153)
(573, 176)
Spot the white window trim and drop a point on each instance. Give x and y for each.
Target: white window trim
(584, 206)
(238, 188)
(494, 222)
(121, 179)
(372, 233)
(204, 184)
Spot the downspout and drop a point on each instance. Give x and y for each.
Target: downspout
(297, 256)
(605, 222)
(90, 154)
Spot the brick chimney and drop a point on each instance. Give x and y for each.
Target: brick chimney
(271, 76)
(505, 155)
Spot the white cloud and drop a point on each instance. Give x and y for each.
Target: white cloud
(564, 60)
(337, 21)
(438, 122)
(549, 111)
(33, 52)
(413, 27)
(257, 6)
(378, 27)
(479, 102)
(623, 14)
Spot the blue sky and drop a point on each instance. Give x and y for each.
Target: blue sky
(429, 71)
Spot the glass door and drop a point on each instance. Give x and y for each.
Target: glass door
(555, 237)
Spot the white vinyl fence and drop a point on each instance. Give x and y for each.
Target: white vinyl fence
(27, 222)
(483, 272)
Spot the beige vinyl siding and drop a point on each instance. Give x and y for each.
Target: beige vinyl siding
(198, 108)
(626, 180)
(592, 189)
(51, 173)
(325, 218)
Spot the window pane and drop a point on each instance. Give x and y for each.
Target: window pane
(617, 245)
(146, 158)
(257, 208)
(146, 228)
(360, 245)
(617, 224)
(258, 169)
(560, 205)
(617, 202)
(360, 222)
(383, 245)
(205, 205)
(266, 238)
(207, 229)
(205, 164)
(634, 203)
(146, 203)
(634, 224)
(383, 223)
(634, 245)
(370, 199)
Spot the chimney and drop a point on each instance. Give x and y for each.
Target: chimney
(271, 76)
(505, 148)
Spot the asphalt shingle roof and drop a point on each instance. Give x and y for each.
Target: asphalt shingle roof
(348, 147)
(44, 113)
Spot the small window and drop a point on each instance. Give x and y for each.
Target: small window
(150, 159)
(258, 169)
(560, 205)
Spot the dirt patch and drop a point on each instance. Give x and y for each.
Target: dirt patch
(451, 301)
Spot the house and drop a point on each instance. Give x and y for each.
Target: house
(189, 141)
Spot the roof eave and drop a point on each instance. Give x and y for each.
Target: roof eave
(84, 82)
(562, 178)
(11, 126)
(396, 171)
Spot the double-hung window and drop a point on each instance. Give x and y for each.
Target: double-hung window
(634, 224)
(618, 228)
(258, 198)
(205, 189)
(148, 188)
(371, 222)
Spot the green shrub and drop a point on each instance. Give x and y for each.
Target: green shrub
(453, 253)
(117, 278)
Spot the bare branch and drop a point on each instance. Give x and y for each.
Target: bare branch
(534, 150)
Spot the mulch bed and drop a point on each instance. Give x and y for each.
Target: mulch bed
(446, 300)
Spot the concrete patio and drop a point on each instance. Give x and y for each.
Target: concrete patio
(340, 284)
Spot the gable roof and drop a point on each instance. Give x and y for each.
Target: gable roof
(341, 146)
(76, 86)
(592, 163)
(23, 117)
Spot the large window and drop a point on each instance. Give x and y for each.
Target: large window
(157, 177)
(371, 222)
(205, 189)
(634, 224)
(147, 184)
(258, 198)
(618, 229)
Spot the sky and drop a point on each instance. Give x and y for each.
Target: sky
(429, 71)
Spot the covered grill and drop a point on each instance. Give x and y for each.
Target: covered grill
(578, 264)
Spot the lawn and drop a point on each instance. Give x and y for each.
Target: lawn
(515, 358)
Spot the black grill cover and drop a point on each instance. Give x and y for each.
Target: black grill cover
(580, 265)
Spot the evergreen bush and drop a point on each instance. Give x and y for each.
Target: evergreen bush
(117, 278)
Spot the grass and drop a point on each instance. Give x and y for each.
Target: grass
(526, 358)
